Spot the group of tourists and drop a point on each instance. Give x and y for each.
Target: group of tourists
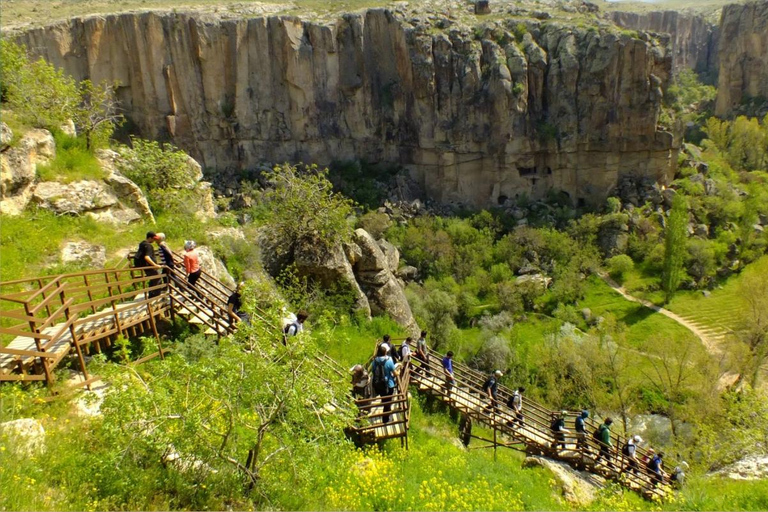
(161, 262)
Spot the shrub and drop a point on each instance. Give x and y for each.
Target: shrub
(73, 162)
(619, 266)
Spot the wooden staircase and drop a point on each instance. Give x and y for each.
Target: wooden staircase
(534, 436)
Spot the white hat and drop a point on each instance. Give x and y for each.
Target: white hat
(498, 373)
(637, 439)
(189, 245)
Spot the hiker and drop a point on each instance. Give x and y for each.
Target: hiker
(603, 437)
(382, 370)
(581, 430)
(678, 477)
(655, 466)
(422, 352)
(234, 303)
(145, 260)
(450, 381)
(385, 342)
(629, 450)
(558, 429)
(405, 350)
(360, 381)
(296, 326)
(491, 387)
(165, 256)
(192, 264)
(516, 404)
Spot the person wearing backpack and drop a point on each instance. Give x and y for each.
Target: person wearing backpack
(603, 437)
(295, 327)
(629, 450)
(516, 404)
(491, 387)
(382, 370)
(655, 466)
(559, 430)
(405, 351)
(581, 430)
(144, 258)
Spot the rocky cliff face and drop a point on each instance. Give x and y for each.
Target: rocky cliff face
(475, 118)
(743, 55)
(694, 40)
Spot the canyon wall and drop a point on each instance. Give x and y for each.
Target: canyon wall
(743, 55)
(694, 40)
(475, 118)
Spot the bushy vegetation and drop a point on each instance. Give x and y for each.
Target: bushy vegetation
(73, 161)
(45, 97)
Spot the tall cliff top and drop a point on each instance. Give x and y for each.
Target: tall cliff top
(25, 13)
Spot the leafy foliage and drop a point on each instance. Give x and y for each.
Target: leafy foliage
(674, 246)
(38, 92)
(303, 207)
(97, 116)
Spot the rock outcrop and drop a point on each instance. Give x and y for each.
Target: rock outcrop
(579, 488)
(84, 253)
(754, 467)
(18, 167)
(474, 118)
(25, 437)
(743, 55)
(694, 40)
(367, 268)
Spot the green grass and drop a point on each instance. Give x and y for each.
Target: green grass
(73, 162)
(723, 308)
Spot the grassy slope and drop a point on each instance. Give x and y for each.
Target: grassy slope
(723, 307)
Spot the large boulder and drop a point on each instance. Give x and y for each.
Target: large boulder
(379, 283)
(25, 437)
(213, 265)
(390, 253)
(754, 467)
(124, 189)
(84, 254)
(18, 168)
(73, 198)
(331, 267)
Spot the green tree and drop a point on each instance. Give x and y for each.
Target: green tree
(97, 114)
(39, 93)
(620, 265)
(674, 247)
(753, 331)
(302, 207)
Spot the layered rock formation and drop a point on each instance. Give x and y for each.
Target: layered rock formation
(743, 55)
(475, 118)
(694, 40)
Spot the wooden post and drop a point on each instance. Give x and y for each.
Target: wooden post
(44, 360)
(47, 306)
(74, 340)
(118, 327)
(88, 290)
(154, 328)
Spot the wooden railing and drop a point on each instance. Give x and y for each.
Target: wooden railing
(41, 323)
(469, 397)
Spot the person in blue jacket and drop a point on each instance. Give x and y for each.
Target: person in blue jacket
(383, 369)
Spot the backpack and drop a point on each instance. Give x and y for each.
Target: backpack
(597, 435)
(287, 329)
(379, 375)
(625, 449)
(555, 426)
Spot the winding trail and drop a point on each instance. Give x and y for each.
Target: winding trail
(711, 345)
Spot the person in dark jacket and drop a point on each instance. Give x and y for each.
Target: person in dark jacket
(491, 387)
(580, 427)
(146, 260)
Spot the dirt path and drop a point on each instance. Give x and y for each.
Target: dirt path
(711, 345)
